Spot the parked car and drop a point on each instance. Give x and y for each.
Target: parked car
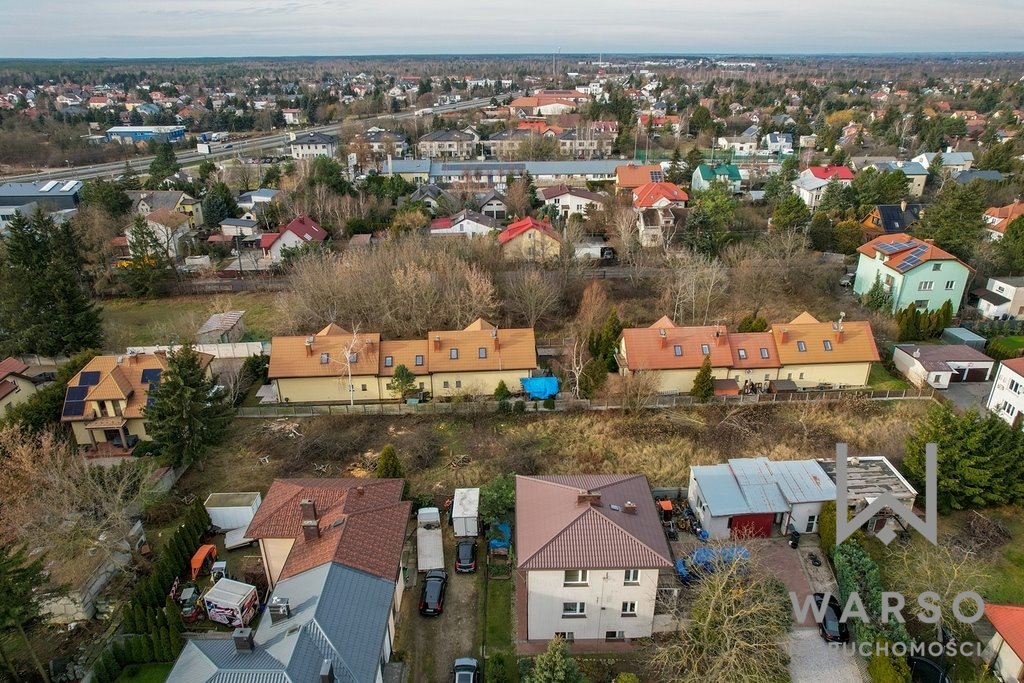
(830, 628)
(191, 611)
(465, 556)
(432, 597)
(926, 671)
(467, 670)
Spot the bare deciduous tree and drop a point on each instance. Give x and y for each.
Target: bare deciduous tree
(693, 287)
(531, 295)
(518, 198)
(638, 391)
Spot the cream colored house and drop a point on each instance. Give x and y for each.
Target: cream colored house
(1005, 650)
(474, 360)
(15, 386)
(832, 353)
(332, 365)
(530, 240)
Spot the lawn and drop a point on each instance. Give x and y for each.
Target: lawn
(498, 633)
(143, 322)
(145, 673)
(881, 380)
(1006, 566)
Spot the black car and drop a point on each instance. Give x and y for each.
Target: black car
(926, 671)
(432, 597)
(465, 556)
(830, 628)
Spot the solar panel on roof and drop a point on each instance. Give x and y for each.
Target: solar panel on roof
(151, 376)
(656, 176)
(77, 393)
(74, 409)
(89, 379)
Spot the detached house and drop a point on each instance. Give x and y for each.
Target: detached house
(589, 552)
(632, 176)
(530, 240)
(312, 145)
(1007, 396)
(887, 219)
(465, 223)
(811, 183)
(15, 385)
(704, 175)
(300, 232)
(104, 403)
(1001, 297)
(332, 553)
(998, 218)
(952, 162)
(148, 201)
(912, 271)
(570, 200)
(658, 206)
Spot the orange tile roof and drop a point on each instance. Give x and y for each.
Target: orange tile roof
(362, 523)
(121, 381)
(755, 345)
(646, 348)
(1008, 620)
(649, 194)
(1004, 215)
(167, 217)
(854, 344)
(505, 349)
(404, 353)
(294, 356)
(631, 175)
(932, 253)
(525, 225)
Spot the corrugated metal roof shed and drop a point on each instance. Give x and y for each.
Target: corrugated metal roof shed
(747, 486)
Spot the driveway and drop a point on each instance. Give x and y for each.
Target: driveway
(967, 395)
(812, 661)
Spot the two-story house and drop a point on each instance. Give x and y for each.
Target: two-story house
(589, 553)
(300, 232)
(15, 384)
(952, 162)
(912, 271)
(493, 204)
(465, 223)
(741, 145)
(917, 175)
(147, 201)
(448, 144)
(105, 402)
(659, 207)
(705, 174)
(530, 240)
(834, 353)
(1001, 297)
(312, 145)
(811, 183)
(998, 218)
(569, 200)
(887, 219)
(1007, 396)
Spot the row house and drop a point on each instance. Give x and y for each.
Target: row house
(448, 144)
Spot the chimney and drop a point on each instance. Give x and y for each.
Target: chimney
(243, 640)
(664, 337)
(785, 335)
(308, 508)
(327, 672)
(903, 205)
(721, 336)
(310, 529)
(309, 345)
(592, 498)
(629, 508)
(437, 343)
(279, 610)
(360, 490)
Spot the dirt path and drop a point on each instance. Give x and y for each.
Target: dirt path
(431, 644)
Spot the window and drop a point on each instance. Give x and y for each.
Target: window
(445, 384)
(363, 387)
(764, 352)
(950, 284)
(677, 350)
(1008, 408)
(567, 636)
(926, 286)
(767, 377)
(458, 384)
(827, 343)
(481, 352)
(789, 375)
(574, 610)
(812, 523)
(936, 266)
(453, 354)
(629, 609)
(801, 376)
(921, 304)
(419, 361)
(389, 361)
(705, 349)
(353, 356)
(742, 353)
(1015, 386)
(575, 577)
(351, 387)
(632, 577)
(801, 346)
(614, 635)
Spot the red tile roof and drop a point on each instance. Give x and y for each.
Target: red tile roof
(648, 349)
(648, 195)
(6, 387)
(12, 366)
(519, 227)
(830, 172)
(304, 227)
(633, 175)
(752, 343)
(362, 523)
(1008, 620)
(933, 253)
(556, 531)
(1004, 215)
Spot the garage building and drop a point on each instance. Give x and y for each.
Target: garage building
(759, 497)
(940, 365)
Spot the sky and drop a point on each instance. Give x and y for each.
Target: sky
(232, 28)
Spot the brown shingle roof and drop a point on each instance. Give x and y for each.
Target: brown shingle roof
(505, 349)
(555, 531)
(113, 387)
(856, 344)
(12, 366)
(362, 523)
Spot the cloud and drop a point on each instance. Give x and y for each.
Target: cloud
(188, 28)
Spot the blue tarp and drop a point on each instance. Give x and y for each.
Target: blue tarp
(504, 533)
(540, 388)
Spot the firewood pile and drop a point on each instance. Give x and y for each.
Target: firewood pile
(980, 534)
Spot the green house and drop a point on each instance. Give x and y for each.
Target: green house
(912, 271)
(706, 174)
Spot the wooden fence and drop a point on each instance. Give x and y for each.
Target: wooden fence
(566, 405)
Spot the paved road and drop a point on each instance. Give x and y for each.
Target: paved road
(192, 157)
(968, 395)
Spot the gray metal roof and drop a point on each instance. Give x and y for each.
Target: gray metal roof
(758, 485)
(314, 139)
(338, 613)
(42, 188)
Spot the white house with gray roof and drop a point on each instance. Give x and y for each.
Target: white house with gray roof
(759, 497)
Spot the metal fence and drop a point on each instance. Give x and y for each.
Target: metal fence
(568, 405)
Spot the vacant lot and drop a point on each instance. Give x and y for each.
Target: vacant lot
(440, 453)
(142, 322)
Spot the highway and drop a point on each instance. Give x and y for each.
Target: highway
(238, 147)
